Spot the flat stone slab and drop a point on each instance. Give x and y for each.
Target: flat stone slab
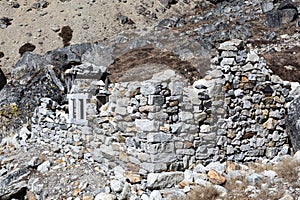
(146, 125)
(164, 180)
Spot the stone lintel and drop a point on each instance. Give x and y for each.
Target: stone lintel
(79, 96)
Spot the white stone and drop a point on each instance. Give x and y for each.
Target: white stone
(252, 57)
(165, 75)
(297, 156)
(228, 46)
(155, 195)
(158, 137)
(121, 110)
(116, 185)
(186, 116)
(148, 87)
(146, 125)
(221, 190)
(44, 167)
(200, 168)
(188, 176)
(205, 128)
(119, 172)
(104, 196)
(164, 180)
(227, 61)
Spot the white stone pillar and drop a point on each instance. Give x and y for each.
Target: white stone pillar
(78, 109)
(78, 103)
(84, 108)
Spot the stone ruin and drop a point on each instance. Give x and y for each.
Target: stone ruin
(78, 81)
(237, 112)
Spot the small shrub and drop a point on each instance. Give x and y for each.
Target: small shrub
(9, 111)
(287, 169)
(203, 193)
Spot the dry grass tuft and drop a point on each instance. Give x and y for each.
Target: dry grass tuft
(203, 193)
(287, 169)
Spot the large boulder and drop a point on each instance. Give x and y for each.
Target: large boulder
(293, 123)
(3, 80)
(32, 79)
(286, 13)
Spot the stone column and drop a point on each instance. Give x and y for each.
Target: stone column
(77, 103)
(78, 109)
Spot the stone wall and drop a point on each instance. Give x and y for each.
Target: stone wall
(237, 112)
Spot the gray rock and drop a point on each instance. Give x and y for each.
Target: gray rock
(5, 22)
(252, 57)
(277, 18)
(169, 22)
(98, 55)
(158, 137)
(164, 180)
(156, 195)
(293, 123)
(200, 169)
(270, 174)
(188, 176)
(125, 194)
(13, 182)
(227, 61)
(217, 166)
(161, 147)
(146, 125)
(254, 179)
(119, 172)
(297, 156)
(149, 87)
(34, 162)
(154, 167)
(105, 196)
(167, 3)
(231, 45)
(116, 185)
(44, 167)
(145, 197)
(287, 4)
(267, 6)
(176, 88)
(156, 100)
(3, 80)
(163, 157)
(107, 151)
(221, 190)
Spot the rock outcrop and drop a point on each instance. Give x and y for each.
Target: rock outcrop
(293, 123)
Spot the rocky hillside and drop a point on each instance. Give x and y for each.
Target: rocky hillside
(203, 99)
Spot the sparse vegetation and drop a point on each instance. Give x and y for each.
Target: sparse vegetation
(9, 111)
(203, 193)
(286, 169)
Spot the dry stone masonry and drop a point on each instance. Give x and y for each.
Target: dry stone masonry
(235, 113)
(151, 133)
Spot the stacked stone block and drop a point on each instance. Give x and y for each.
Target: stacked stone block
(155, 119)
(254, 101)
(236, 113)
